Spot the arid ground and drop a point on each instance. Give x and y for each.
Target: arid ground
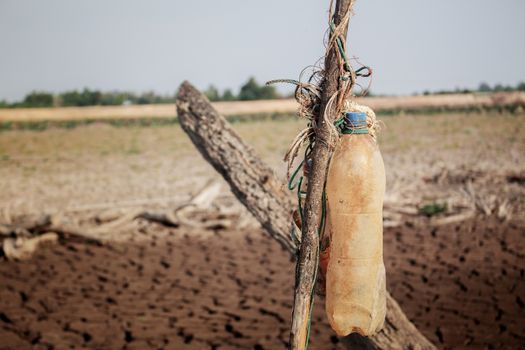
(454, 238)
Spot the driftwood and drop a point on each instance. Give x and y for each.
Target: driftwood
(23, 248)
(21, 237)
(28, 224)
(24, 237)
(257, 187)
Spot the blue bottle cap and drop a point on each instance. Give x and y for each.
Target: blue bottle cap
(356, 119)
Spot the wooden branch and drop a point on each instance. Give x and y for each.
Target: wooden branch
(23, 248)
(309, 251)
(264, 197)
(159, 218)
(252, 181)
(38, 224)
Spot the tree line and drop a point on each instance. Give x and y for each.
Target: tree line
(483, 87)
(251, 90)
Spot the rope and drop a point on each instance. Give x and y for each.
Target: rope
(363, 71)
(340, 47)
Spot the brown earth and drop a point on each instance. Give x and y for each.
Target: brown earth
(232, 290)
(461, 283)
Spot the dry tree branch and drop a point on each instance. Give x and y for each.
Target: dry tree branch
(309, 251)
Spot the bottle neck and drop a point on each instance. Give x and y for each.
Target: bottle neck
(354, 123)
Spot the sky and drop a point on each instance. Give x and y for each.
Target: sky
(141, 45)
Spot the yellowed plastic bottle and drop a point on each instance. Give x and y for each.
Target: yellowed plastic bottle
(355, 273)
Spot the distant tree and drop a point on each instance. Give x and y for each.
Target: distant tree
(69, 98)
(228, 95)
(459, 90)
(38, 99)
(114, 98)
(521, 86)
(84, 98)
(148, 97)
(484, 87)
(252, 91)
(268, 92)
(90, 97)
(505, 88)
(212, 93)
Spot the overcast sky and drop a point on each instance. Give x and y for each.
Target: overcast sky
(139, 45)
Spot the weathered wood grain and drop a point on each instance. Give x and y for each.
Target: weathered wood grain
(309, 250)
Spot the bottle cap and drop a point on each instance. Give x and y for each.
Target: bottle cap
(356, 119)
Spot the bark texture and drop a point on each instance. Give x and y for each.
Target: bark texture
(309, 250)
(255, 185)
(250, 179)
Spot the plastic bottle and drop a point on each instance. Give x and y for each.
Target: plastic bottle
(355, 273)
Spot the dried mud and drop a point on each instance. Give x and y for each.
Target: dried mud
(233, 290)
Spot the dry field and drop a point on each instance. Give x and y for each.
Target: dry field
(455, 101)
(459, 274)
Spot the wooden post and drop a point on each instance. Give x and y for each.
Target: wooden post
(309, 250)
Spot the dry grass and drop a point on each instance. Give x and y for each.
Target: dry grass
(58, 169)
(138, 111)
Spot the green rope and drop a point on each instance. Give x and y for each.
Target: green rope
(299, 192)
(292, 186)
(354, 131)
(339, 122)
(341, 49)
(358, 73)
